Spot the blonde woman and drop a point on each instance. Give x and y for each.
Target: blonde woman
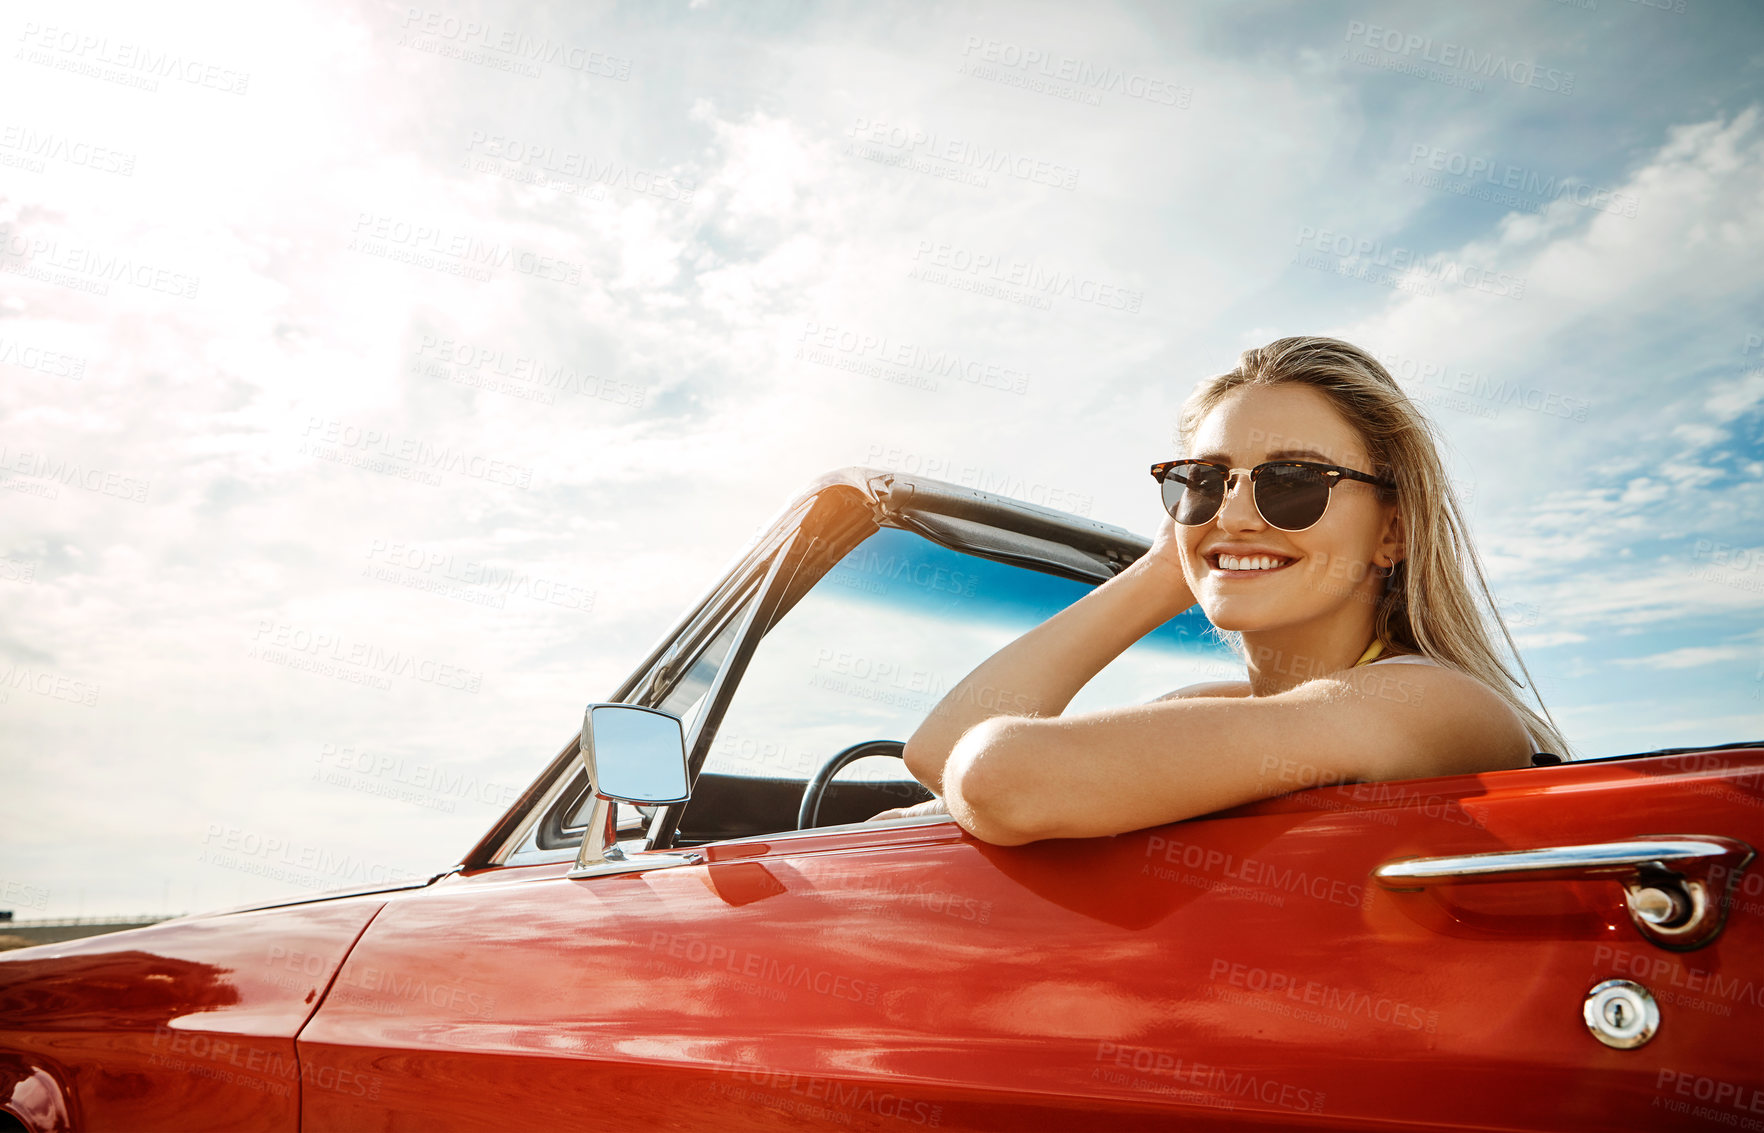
(1314, 524)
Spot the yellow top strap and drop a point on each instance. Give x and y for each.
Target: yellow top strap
(1371, 654)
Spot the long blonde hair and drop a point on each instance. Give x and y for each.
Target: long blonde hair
(1428, 605)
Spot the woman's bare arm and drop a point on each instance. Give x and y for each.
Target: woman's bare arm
(1015, 780)
(1207, 688)
(1038, 674)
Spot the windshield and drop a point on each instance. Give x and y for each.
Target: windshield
(893, 627)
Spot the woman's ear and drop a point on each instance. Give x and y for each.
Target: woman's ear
(1393, 545)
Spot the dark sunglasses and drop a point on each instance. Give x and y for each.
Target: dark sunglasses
(1289, 494)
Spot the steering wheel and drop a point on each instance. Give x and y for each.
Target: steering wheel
(810, 811)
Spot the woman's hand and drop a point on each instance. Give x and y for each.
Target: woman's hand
(935, 806)
(1165, 561)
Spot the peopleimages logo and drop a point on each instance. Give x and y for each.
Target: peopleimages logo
(87, 269)
(1397, 45)
(328, 437)
(50, 469)
(1506, 175)
(364, 661)
(936, 259)
(52, 362)
(573, 165)
(94, 55)
(1082, 75)
(426, 568)
(834, 345)
(35, 146)
(1494, 392)
(957, 151)
(1411, 265)
(511, 44)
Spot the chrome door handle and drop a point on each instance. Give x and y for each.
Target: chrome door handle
(1677, 886)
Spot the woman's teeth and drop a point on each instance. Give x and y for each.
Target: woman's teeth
(1251, 562)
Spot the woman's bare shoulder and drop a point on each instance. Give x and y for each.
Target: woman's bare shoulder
(1209, 688)
(1474, 728)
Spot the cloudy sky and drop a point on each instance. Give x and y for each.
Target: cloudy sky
(642, 270)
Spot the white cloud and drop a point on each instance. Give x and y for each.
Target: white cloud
(1528, 641)
(1730, 399)
(1691, 657)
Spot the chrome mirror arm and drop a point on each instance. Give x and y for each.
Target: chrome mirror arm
(600, 853)
(599, 838)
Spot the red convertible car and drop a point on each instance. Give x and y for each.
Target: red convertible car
(686, 923)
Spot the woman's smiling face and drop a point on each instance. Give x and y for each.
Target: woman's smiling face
(1324, 572)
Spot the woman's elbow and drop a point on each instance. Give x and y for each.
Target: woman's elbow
(986, 790)
(922, 764)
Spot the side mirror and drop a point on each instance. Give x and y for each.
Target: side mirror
(633, 755)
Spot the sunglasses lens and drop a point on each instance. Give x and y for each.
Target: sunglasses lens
(1291, 496)
(1193, 493)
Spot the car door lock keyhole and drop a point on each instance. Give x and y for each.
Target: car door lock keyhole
(1621, 1014)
